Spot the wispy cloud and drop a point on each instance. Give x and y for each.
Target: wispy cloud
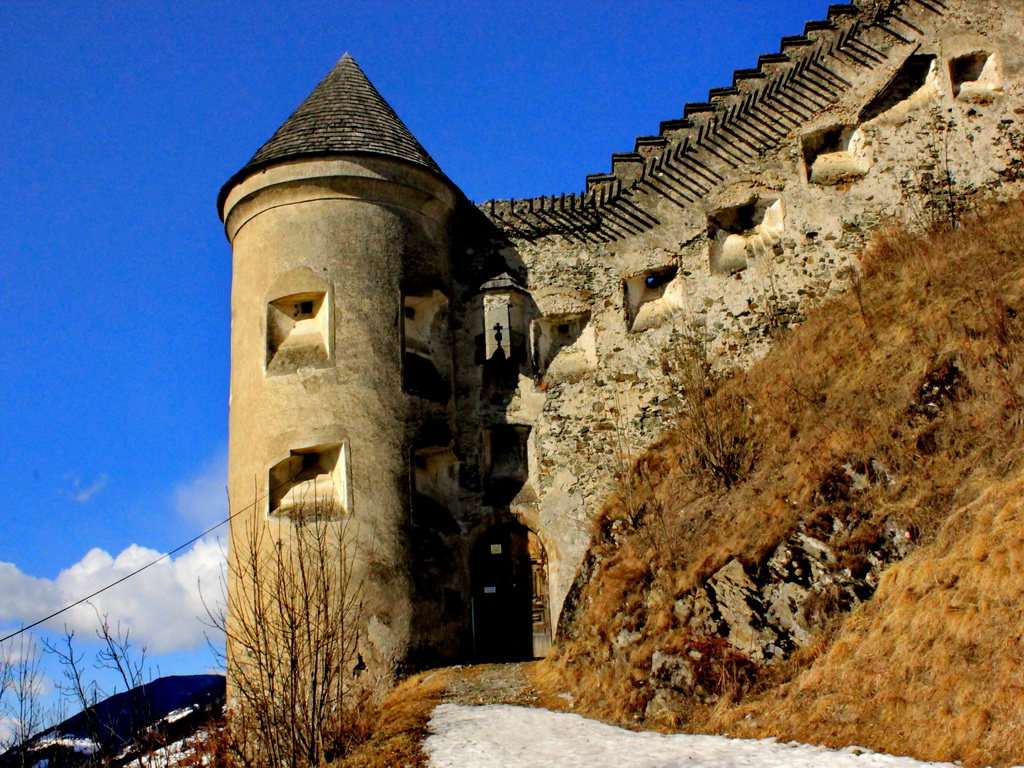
(203, 497)
(84, 493)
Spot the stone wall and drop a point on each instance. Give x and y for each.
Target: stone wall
(735, 219)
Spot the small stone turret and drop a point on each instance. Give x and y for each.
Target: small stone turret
(340, 334)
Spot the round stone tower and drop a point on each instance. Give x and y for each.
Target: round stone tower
(340, 342)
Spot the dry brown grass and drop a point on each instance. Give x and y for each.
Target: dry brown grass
(400, 725)
(918, 374)
(933, 665)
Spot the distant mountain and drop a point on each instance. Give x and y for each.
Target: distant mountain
(115, 730)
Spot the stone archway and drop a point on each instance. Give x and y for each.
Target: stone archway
(510, 602)
(540, 602)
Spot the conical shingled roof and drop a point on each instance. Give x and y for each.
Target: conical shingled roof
(345, 113)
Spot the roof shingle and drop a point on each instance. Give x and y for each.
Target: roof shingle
(343, 114)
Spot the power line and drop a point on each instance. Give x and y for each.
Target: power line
(136, 572)
(160, 559)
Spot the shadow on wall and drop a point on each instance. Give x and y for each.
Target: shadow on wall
(974, 76)
(427, 363)
(567, 339)
(505, 464)
(436, 550)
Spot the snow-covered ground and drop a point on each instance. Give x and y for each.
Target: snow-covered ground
(77, 743)
(505, 736)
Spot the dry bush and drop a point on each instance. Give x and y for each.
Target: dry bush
(22, 681)
(292, 632)
(211, 745)
(916, 378)
(716, 429)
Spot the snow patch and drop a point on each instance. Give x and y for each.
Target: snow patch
(505, 736)
(81, 745)
(178, 714)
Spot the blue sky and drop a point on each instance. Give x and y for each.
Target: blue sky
(120, 121)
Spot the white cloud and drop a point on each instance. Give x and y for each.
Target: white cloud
(22, 595)
(162, 606)
(203, 498)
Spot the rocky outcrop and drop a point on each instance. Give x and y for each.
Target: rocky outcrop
(760, 614)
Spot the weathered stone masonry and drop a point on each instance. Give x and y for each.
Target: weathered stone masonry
(505, 356)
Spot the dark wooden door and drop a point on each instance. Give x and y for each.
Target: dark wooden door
(502, 583)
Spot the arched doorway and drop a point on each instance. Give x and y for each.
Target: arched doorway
(511, 614)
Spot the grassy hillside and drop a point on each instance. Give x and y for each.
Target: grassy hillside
(884, 436)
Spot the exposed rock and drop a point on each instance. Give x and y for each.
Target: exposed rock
(664, 701)
(784, 609)
(705, 617)
(742, 610)
(677, 671)
(682, 609)
(624, 638)
(765, 613)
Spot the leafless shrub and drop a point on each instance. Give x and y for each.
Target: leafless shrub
(79, 688)
(293, 610)
(21, 689)
(717, 428)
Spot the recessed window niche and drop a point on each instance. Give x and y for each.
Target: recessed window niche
(974, 76)
(427, 361)
(744, 232)
(646, 299)
(435, 483)
(914, 83)
(299, 322)
(311, 484)
(506, 468)
(563, 345)
(835, 155)
(297, 334)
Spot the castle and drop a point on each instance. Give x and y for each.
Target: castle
(466, 381)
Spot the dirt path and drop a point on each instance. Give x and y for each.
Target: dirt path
(490, 684)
